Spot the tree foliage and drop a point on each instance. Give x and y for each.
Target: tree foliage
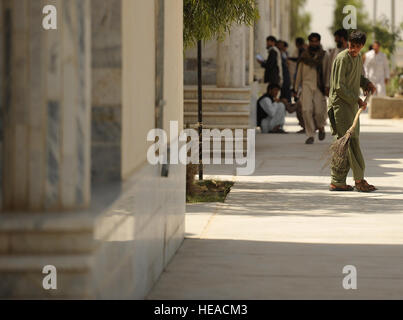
(300, 22)
(209, 19)
(387, 38)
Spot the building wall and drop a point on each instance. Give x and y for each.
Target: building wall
(137, 236)
(262, 29)
(274, 17)
(209, 64)
(121, 244)
(138, 21)
(158, 206)
(285, 20)
(173, 65)
(106, 118)
(123, 72)
(139, 76)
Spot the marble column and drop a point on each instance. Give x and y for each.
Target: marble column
(47, 98)
(262, 31)
(231, 59)
(285, 20)
(262, 27)
(251, 55)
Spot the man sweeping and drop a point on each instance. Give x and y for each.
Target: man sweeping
(346, 80)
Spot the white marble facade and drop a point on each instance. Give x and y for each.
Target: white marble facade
(66, 100)
(47, 107)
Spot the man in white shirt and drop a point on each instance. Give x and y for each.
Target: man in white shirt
(376, 68)
(271, 111)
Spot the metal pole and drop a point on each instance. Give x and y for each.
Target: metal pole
(200, 106)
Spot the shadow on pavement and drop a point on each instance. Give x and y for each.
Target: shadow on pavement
(237, 269)
(303, 199)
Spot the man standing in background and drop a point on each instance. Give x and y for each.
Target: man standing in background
(293, 67)
(376, 68)
(300, 48)
(273, 65)
(313, 76)
(286, 87)
(341, 39)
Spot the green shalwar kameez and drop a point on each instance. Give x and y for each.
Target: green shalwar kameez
(346, 80)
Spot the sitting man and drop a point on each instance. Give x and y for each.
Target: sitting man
(271, 110)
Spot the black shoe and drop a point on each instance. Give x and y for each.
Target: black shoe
(281, 131)
(322, 135)
(310, 140)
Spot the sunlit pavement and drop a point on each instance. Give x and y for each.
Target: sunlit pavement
(282, 235)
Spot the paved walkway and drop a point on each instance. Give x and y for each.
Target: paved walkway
(282, 235)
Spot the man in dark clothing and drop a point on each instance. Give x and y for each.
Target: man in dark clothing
(286, 92)
(301, 47)
(273, 65)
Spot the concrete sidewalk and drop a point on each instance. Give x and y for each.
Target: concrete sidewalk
(282, 235)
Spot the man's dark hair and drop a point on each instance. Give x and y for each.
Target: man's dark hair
(279, 42)
(285, 44)
(314, 35)
(273, 86)
(377, 42)
(342, 33)
(299, 41)
(271, 38)
(358, 37)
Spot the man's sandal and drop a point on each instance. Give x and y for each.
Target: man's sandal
(363, 186)
(341, 188)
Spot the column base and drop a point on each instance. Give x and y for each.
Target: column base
(115, 250)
